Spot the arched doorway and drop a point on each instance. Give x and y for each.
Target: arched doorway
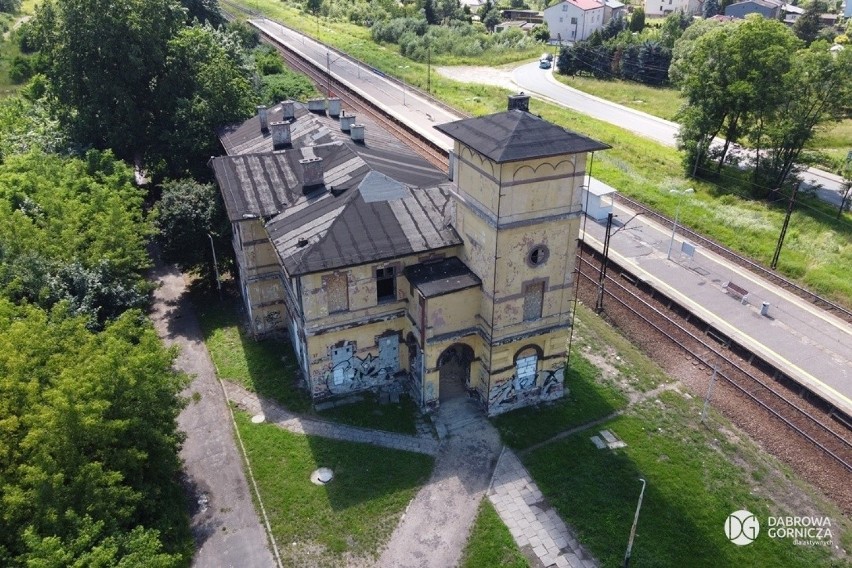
(454, 371)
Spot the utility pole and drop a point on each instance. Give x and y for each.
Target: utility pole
(790, 206)
(327, 75)
(604, 264)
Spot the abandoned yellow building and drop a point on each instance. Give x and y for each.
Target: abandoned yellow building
(390, 274)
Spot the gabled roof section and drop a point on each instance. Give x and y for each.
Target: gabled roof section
(518, 135)
(359, 215)
(264, 185)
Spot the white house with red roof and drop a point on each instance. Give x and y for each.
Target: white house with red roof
(574, 20)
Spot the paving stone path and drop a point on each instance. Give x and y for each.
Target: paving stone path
(535, 526)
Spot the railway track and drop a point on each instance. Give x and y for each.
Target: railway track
(709, 244)
(749, 395)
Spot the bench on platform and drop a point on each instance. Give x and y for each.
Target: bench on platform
(736, 291)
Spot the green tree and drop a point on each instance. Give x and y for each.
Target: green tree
(637, 20)
(491, 19)
(729, 74)
(203, 11)
(104, 60)
(72, 230)
(542, 33)
(10, 6)
(816, 90)
(710, 8)
(188, 216)
(807, 26)
(89, 443)
(205, 85)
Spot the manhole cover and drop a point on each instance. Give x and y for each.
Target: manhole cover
(258, 418)
(321, 476)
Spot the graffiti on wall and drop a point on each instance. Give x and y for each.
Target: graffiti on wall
(513, 393)
(270, 321)
(349, 373)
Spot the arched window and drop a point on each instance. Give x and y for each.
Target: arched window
(526, 367)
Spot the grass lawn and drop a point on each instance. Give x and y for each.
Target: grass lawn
(696, 477)
(269, 368)
(588, 398)
(490, 544)
(346, 520)
(662, 102)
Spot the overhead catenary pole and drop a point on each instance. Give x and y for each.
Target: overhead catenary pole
(790, 206)
(604, 264)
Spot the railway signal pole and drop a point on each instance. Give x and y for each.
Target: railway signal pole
(604, 264)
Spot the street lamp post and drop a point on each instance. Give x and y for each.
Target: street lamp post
(677, 214)
(215, 265)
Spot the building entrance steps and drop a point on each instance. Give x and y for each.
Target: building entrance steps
(806, 343)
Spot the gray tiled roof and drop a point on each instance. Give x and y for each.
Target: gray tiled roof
(518, 135)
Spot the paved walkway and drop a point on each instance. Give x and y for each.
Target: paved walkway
(275, 414)
(535, 526)
(226, 527)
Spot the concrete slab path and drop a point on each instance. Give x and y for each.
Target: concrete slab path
(227, 529)
(535, 526)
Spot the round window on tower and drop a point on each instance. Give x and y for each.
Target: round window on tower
(538, 255)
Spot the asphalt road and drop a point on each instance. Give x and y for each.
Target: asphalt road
(541, 82)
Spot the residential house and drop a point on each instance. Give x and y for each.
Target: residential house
(613, 9)
(390, 274)
(531, 16)
(769, 9)
(574, 20)
(659, 8)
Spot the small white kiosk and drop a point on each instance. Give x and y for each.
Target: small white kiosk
(597, 199)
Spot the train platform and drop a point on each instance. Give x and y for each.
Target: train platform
(806, 343)
(404, 104)
(803, 341)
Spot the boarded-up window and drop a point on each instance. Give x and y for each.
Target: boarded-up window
(336, 288)
(533, 299)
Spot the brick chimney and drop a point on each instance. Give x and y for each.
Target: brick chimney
(288, 109)
(519, 102)
(356, 131)
(280, 135)
(264, 118)
(312, 173)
